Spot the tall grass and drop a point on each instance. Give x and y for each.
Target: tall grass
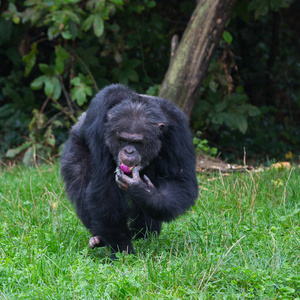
(241, 240)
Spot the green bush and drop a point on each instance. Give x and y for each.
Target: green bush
(58, 54)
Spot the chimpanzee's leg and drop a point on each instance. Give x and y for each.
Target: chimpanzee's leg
(108, 219)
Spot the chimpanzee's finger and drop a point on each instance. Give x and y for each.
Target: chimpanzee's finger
(136, 173)
(123, 186)
(148, 181)
(122, 180)
(122, 176)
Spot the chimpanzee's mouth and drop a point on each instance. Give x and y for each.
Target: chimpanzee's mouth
(126, 169)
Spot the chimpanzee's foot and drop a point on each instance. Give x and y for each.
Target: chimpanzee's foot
(95, 242)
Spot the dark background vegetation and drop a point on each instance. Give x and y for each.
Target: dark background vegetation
(55, 55)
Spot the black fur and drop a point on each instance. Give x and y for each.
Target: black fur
(90, 160)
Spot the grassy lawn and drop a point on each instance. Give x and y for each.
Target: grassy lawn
(240, 241)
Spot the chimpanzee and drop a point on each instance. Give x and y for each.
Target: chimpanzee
(129, 165)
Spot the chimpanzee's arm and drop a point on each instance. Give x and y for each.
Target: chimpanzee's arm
(165, 202)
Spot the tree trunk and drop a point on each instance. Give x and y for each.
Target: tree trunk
(188, 66)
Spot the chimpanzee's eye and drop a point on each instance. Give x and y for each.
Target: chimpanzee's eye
(138, 143)
(122, 142)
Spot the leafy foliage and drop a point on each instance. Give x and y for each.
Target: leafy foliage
(202, 146)
(219, 107)
(56, 54)
(37, 148)
(266, 66)
(67, 51)
(250, 98)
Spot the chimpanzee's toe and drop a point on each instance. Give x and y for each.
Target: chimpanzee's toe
(95, 242)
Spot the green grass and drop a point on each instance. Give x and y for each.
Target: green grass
(240, 241)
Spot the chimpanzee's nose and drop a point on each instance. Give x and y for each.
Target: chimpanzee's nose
(129, 150)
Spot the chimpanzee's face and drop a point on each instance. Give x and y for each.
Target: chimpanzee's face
(133, 134)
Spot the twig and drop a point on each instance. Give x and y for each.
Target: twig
(52, 119)
(66, 94)
(44, 104)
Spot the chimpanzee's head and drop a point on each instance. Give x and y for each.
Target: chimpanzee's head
(133, 133)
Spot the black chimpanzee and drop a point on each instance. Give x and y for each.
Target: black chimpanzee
(128, 165)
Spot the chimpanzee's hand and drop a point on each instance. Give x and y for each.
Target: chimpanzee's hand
(135, 182)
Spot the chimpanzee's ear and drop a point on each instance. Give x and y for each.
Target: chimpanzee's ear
(161, 126)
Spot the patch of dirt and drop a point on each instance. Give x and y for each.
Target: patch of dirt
(207, 164)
